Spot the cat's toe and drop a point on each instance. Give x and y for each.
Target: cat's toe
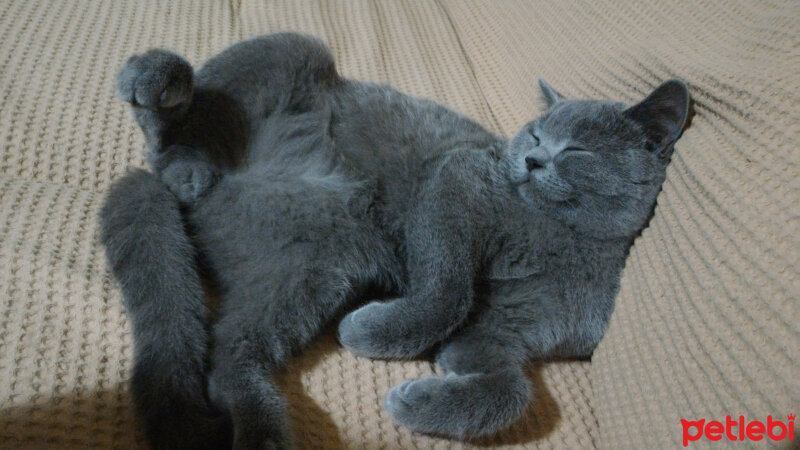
(155, 79)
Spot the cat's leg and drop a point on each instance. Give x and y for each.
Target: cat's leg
(175, 107)
(246, 351)
(214, 111)
(439, 261)
(258, 332)
(153, 260)
(485, 388)
(216, 108)
(288, 257)
(158, 85)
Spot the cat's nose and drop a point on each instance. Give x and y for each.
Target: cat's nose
(533, 163)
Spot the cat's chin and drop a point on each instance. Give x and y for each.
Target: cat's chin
(533, 192)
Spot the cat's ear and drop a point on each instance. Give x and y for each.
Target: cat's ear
(662, 115)
(551, 96)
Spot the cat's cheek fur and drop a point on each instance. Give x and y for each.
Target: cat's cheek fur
(546, 188)
(552, 186)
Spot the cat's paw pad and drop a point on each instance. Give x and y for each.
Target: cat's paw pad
(188, 179)
(155, 79)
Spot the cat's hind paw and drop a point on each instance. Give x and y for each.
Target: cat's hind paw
(186, 172)
(155, 79)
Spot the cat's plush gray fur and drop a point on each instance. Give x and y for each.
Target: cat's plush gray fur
(301, 190)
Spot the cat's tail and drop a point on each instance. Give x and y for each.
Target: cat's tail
(153, 260)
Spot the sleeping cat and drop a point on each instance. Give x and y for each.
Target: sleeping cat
(300, 192)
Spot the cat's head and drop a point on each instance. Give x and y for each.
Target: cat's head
(598, 165)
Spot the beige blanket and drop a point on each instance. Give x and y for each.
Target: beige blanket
(708, 317)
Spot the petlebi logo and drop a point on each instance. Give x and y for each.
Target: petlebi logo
(738, 429)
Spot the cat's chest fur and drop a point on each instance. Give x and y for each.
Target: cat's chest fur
(527, 246)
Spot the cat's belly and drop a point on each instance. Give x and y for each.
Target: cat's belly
(254, 230)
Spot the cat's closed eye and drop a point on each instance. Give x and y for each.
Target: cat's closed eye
(576, 150)
(534, 136)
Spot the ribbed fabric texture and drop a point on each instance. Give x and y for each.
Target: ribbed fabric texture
(707, 319)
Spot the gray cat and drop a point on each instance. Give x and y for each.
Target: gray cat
(302, 193)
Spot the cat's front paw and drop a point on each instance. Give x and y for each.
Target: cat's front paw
(155, 79)
(371, 331)
(358, 333)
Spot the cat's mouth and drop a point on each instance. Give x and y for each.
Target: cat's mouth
(524, 179)
(520, 176)
(542, 182)
(551, 186)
